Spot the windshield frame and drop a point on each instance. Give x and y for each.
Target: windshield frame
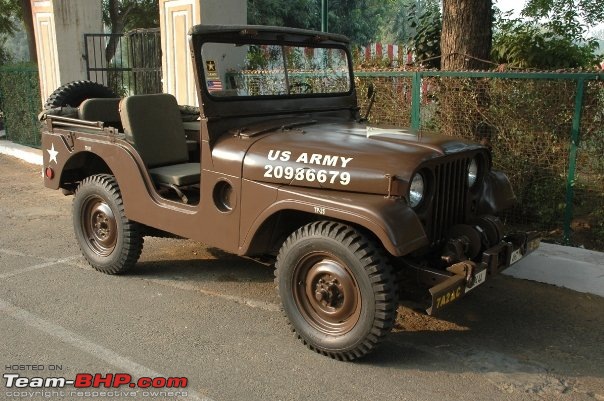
(272, 42)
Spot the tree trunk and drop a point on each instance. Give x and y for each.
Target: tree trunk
(467, 34)
(117, 26)
(466, 45)
(28, 22)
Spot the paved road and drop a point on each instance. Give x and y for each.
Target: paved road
(211, 317)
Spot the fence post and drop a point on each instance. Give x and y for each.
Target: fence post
(324, 16)
(572, 156)
(416, 98)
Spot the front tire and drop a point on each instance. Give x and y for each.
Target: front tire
(337, 289)
(109, 241)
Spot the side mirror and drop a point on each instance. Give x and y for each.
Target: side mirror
(371, 93)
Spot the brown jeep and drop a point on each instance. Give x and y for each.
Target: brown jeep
(278, 164)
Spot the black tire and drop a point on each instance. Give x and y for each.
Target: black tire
(74, 93)
(109, 241)
(354, 303)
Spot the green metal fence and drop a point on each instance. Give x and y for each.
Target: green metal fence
(20, 104)
(546, 131)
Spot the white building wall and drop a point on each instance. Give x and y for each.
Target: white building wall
(59, 27)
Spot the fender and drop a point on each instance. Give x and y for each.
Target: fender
(141, 202)
(497, 194)
(391, 220)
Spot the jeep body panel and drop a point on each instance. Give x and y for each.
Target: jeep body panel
(389, 219)
(332, 147)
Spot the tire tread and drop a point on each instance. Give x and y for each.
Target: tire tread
(376, 266)
(132, 237)
(79, 90)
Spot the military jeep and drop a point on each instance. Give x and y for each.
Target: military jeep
(278, 164)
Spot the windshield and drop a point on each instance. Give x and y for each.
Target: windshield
(274, 70)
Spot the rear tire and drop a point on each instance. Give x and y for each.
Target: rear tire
(337, 289)
(74, 93)
(109, 241)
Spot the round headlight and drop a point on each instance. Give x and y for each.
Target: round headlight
(472, 173)
(416, 190)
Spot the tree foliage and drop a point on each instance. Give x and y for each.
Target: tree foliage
(416, 24)
(360, 20)
(5, 57)
(9, 16)
(427, 23)
(398, 26)
(530, 44)
(17, 13)
(292, 13)
(131, 14)
(123, 15)
(566, 17)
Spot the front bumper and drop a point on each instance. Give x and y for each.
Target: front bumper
(463, 277)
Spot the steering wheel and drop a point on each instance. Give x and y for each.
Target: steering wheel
(302, 87)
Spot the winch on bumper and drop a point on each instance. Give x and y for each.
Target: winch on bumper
(464, 276)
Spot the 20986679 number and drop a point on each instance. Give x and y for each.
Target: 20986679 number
(307, 174)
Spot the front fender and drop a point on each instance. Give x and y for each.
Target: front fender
(497, 194)
(393, 222)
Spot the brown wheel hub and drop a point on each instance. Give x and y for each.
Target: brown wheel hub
(99, 225)
(326, 293)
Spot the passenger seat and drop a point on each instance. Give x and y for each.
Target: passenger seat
(153, 125)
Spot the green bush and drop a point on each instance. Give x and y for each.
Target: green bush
(20, 103)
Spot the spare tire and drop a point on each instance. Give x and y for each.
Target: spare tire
(74, 93)
(189, 113)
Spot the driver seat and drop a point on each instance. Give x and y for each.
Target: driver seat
(153, 125)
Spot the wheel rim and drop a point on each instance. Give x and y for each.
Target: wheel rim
(99, 226)
(326, 293)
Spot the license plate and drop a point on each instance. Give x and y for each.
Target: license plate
(516, 256)
(479, 278)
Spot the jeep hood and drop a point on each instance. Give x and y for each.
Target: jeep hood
(342, 156)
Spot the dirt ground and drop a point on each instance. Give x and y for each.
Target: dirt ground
(214, 317)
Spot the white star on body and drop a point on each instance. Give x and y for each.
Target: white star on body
(52, 153)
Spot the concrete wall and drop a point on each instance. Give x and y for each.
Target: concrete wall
(59, 27)
(176, 18)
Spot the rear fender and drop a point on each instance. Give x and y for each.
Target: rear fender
(75, 157)
(141, 202)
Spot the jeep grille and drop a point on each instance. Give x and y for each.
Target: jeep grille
(450, 196)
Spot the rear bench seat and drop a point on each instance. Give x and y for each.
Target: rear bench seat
(98, 109)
